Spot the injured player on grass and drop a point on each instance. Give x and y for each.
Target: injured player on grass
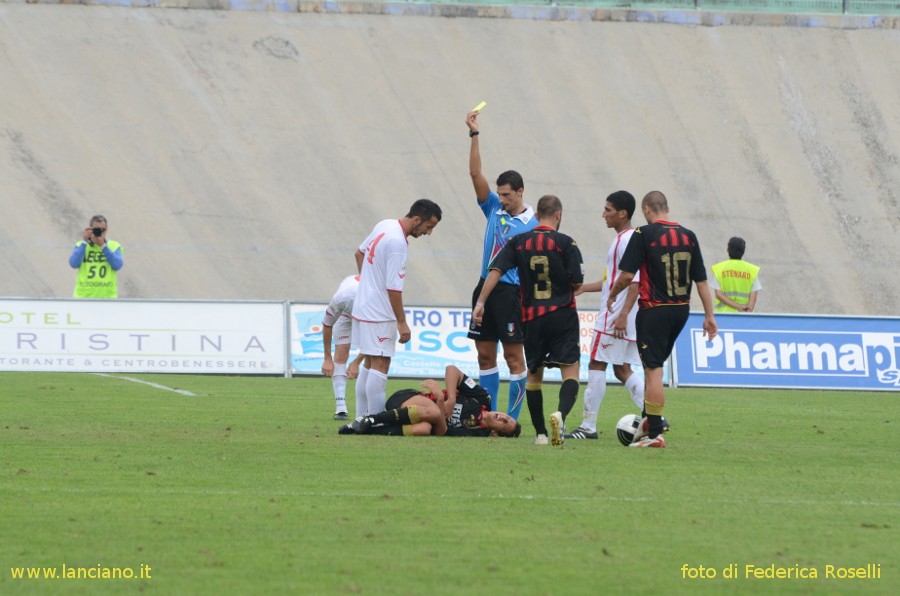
(461, 410)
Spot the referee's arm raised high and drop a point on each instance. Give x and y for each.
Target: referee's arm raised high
(481, 184)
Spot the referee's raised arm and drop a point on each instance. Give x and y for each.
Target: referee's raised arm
(481, 184)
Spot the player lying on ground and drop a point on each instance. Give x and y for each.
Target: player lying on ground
(461, 410)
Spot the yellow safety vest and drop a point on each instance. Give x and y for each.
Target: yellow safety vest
(96, 279)
(735, 278)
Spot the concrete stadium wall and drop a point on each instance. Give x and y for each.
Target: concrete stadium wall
(244, 155)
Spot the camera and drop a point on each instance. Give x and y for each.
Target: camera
(97, 231)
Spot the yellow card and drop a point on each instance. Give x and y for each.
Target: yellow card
(479, 106)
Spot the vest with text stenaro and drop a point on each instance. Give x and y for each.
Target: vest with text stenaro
(735, 279)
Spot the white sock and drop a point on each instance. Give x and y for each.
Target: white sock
(635, 386)
(593, 397)
(362, 405)
(376, 391)
(339, 384)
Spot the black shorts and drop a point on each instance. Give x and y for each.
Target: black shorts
(657, 330)
(502, 319)
(553, 340)
(395, 401)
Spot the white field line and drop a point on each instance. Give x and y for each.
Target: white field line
(392, 495)
(154, 385)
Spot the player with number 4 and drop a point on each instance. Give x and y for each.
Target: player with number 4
(378, 316)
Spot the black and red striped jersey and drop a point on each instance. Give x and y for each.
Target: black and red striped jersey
(549, 262)
(472, 401)
(669, 259)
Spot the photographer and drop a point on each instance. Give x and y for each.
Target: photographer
(97, 260)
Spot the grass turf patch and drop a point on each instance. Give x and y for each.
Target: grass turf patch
(246, 487)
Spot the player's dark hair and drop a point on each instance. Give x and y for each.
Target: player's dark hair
(516, 431)
(511, 177)
(622, 200)
(736, 247)
(548, 206)
(425, 209)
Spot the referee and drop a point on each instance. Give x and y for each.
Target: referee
(507, 215)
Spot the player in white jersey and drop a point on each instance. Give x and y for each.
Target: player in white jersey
(336, 325)
(614, 341)
(378, 315)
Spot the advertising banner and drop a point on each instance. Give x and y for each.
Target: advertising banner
(142, 336)
(781, 351)
(438, 339)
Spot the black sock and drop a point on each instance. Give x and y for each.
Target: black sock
(568, 395)
(654, 426)
(398, 416)
(391, 430)
(535, 398)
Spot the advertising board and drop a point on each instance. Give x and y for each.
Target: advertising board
(784, 351)
(438, 339)
(142, 336)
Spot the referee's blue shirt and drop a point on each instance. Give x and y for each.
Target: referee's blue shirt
(501, 226)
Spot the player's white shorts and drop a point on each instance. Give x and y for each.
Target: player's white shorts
(606, 348)
(375, 339)
(340, 332)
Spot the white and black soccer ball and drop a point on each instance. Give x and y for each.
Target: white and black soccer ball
(628, 424)
(625, 428)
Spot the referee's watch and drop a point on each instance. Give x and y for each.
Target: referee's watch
(473, 133)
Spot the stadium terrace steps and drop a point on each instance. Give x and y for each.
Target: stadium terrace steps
(244, 155)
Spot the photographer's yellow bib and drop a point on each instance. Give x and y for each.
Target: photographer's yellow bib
(96, 279)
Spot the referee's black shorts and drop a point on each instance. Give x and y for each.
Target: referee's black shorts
(502, 319)
(553, 340)
(657, 330)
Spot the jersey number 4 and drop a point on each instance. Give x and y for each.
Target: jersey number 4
(371, 254)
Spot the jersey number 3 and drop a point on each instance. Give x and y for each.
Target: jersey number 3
(543, 288)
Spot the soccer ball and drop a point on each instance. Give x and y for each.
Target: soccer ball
(625, 428)
(629, 423)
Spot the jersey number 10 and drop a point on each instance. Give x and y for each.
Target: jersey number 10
(677, 266)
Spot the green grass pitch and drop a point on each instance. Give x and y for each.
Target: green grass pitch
(245, 487)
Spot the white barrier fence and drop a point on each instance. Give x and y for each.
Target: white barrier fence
(142, 336)
(269, 338)
(438, 339)
(281, 338)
